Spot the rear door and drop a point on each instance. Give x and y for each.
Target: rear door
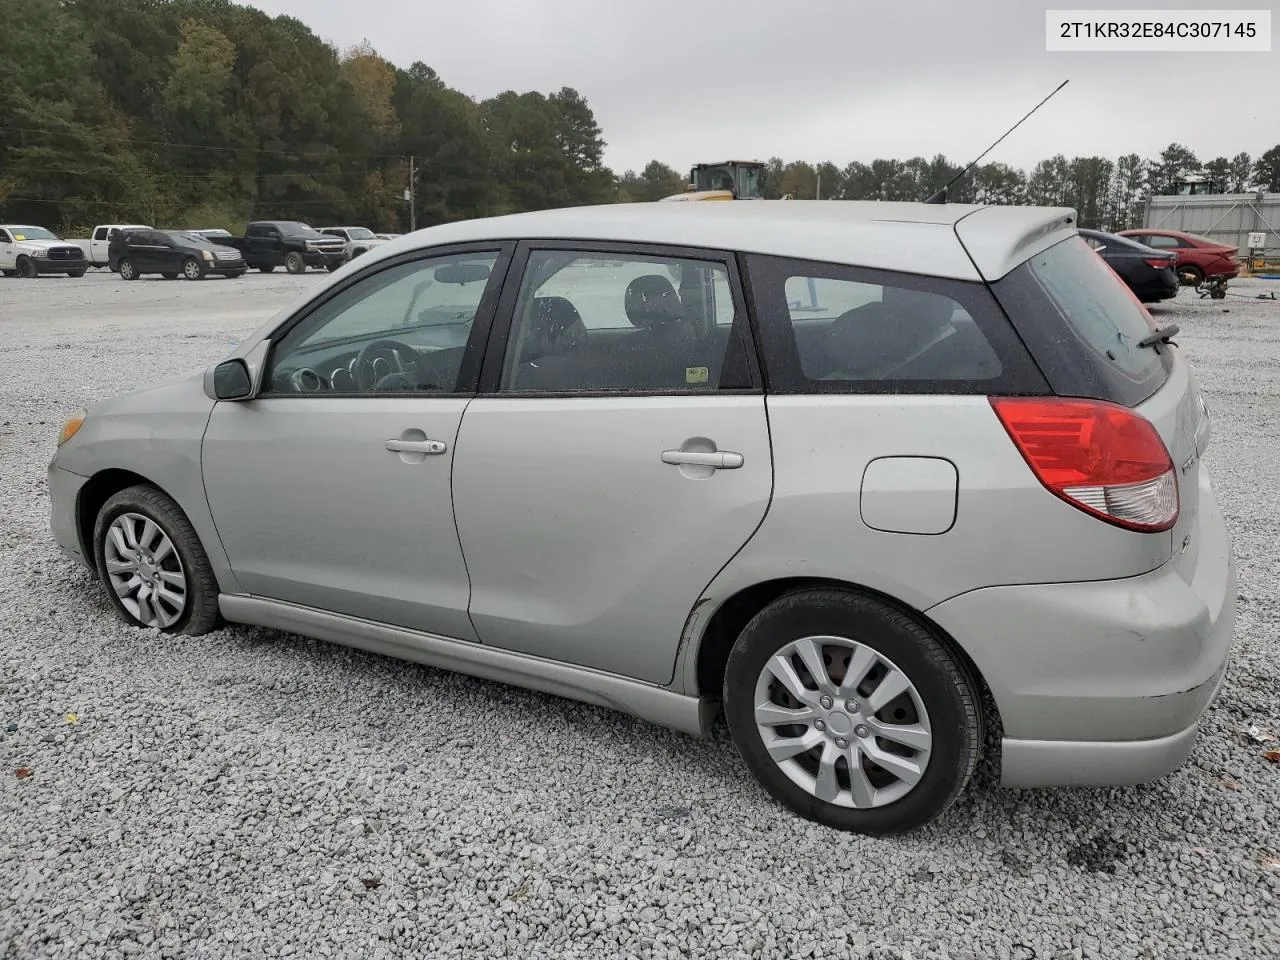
(617, 457)
(8, 255)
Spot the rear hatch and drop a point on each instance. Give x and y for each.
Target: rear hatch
(1084, 328)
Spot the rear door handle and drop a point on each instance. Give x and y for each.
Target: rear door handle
(720, 459)
(416, 446)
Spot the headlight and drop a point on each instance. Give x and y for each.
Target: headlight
(207, 254)
(72, 426)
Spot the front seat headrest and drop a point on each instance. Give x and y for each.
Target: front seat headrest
(651, 301)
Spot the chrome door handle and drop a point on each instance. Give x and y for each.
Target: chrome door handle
(416, 446)
(720, 460)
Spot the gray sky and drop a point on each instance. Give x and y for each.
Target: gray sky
(686, 81)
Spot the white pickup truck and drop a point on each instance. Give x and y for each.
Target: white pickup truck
(358, 240)
(33, 251)
(96, 247)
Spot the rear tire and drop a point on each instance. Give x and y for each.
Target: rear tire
(131, 561)
(9, 273)
(169, 276)
(27, 269)
(901, 784)
(294, 263)
(76, 273)
(267, 268)
(1191, 275)
(193, 269)
(236, 274)
(127, 270)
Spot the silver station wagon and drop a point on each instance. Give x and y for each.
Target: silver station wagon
(890, 484)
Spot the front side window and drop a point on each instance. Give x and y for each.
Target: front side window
(624, 322)
(404, 328)
(833, 329)
(1158, 242)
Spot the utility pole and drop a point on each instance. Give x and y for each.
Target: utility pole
(412, 196)
(817, 195)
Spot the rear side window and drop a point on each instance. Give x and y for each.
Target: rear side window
(1084, 325)
(827, 328)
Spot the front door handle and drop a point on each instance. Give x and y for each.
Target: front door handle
(719, 459)
(416, 446)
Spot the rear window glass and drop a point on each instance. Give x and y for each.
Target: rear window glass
(829, 328)
(1103, 314)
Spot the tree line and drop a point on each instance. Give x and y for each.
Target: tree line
(204, 113)
(1107, 194)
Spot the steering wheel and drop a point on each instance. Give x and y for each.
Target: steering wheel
(369, 373)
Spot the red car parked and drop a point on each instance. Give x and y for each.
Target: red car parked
(1195, 257)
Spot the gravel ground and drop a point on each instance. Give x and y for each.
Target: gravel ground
(257, 794)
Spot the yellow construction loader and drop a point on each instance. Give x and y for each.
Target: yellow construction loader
(729, 180)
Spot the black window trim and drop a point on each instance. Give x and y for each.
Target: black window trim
(473, 352)
(780, 358)
(500, 331)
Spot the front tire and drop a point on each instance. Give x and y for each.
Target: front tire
(127, 270)
(193, 269)
(152, 564)
(169, 276)
(884, 751)
(294, 263)
(27, 268)
(76, 274)
(236, 274)
(267, 268)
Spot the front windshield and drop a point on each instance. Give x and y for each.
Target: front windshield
(360, 233)
(294, 229)
(184, 237)
(32, 233)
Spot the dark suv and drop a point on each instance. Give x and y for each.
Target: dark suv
(171, 253)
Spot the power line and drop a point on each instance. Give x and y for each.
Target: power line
(200, 146)
(135, 204)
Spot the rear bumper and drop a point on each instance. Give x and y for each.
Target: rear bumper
(1158, 286)
(64, 492)
(1104, 682)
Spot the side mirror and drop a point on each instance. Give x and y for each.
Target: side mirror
(231, 380)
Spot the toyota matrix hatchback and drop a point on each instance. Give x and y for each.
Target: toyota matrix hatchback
(873, 478)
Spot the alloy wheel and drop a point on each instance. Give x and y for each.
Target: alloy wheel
(145, 570)
(842, 721)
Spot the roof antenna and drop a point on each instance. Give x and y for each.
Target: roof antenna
(941, 195)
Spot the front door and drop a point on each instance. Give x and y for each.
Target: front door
(331, 488)
(617, 458)
(145, 248)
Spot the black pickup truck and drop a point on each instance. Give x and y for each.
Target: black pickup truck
(268, 244)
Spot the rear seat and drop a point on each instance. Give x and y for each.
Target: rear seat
(663, 352)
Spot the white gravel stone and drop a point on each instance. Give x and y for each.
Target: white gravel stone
(251, 793)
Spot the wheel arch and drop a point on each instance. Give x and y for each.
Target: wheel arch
(736, 611)
(100, 488)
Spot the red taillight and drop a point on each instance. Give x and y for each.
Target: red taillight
(1159, 264)
(1100, 457)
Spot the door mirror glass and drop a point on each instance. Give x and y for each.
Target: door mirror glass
(231, 380)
